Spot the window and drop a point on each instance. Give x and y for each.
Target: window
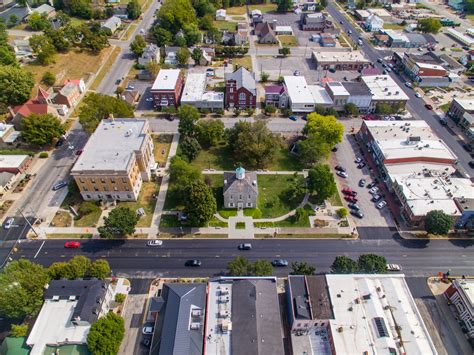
(93, 181)
(250, 197)
(96, 189)
(242, 96)
(81, 180)
(106, 188)
(249, 204)
(129, 196)
(102, 181)
(240, 197)
(231, 90)
(88, 196)
(231, 197)
(84, 188)
(124, 180)
(115, 188)
(231, 204)
(112, 180)
(126, 188)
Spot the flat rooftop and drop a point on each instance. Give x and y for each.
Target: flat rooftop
(194, 87)
(340, 57)
(112, 146)
(396, 35)
(337, 88)
(367, 309)
(11, 161)
(319, 297)
(320, 95)
(166, 79)
(467, 287)
(298, 90)
(461, 36)
(383, 87)
(466, 104)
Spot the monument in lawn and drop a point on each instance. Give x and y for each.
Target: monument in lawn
(240, 189)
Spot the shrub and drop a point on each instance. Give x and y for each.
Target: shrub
(342, 212)
(119, 297)
(19, 330)
(87, 207)
(43, 155)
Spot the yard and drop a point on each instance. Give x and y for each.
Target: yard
(105, 69)
(62, 219)
(393, 26)
(128, 33)
(270, 200)
(445, 107)
(74, 199)
(244, 61)
(241, 10)
(225, 26)
(162, 144)
(146, 200)
(288, 41)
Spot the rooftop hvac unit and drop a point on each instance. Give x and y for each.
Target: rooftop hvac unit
(72, 298)
(224, 291)
(55, 298)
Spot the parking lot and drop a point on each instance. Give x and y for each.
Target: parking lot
(292, 19)
(347, 152)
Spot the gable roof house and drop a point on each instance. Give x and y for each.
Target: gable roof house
(240, 189)
(40, 105)
(45, 9)
(221, 15)
(112, 24)
(68, 95)
(240, 89)
(151, 53)
(267, 34)
(373, 23)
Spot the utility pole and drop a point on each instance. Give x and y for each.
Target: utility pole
(29, 223)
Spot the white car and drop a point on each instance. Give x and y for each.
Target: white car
(374, 190)
(149, 99)
(147, 330)
(8, 223)
(154, 243)
(418, 95)
(342, 174)
(381, 204)
(394, 267)
(408, 84)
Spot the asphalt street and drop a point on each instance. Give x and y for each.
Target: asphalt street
(414, 105)
(134, 258)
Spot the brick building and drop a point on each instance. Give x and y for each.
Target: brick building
(167, 88)
(240, 89)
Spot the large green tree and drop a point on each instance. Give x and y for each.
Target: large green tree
(41, 130)
(295, 191)
(174, 15)
(262, 268)
(196, 55)
(200, 204)
(138, 45)
(210, 132)
(7, 55)
(21, 288)
(240, 266)
(429, 25)
(15, 85)
(284, 5)
(38, 22)
(302, 268)
(188, 116)
(344, 265)
(96, 107)
(438, 222)
(372, 264)
(253, 144)
(43, 48)
(190, 147)
(182, 56)
(182, 173)
(100, 269)
(119, 223)
(106, 335)
(321, 182)
(134, 9)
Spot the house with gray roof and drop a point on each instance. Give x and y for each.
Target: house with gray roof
(240, 189)
(179, 327)
(240, 89)
(151, 53)
(112, 24)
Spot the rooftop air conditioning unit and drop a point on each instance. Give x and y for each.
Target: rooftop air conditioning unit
(55, 298)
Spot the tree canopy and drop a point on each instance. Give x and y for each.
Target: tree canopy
(438, 222)
(174, 15)
(372, 264)
(182, 56)
(106, 335)
(15, 85)
(209, 132)
(429, 25)
(120, 222)
(138, 45)
(321, 182)
(44, 48)
(241, 266)
(344, 265)
(41, 130)
(188, 116)
(284, 5)
(200, 204)
(302, 268)
(182, 173)
(134, 9)
(96, 107)
(79, 267)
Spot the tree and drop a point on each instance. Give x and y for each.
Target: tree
(190, 147)
(383, 109)
(323, 3)
(100, 269)
(138, 45)
(351, 109)
(119, 297)
(21, 288)
(174, 15)
(285, 51)
(372, 264)
(262, 268)
(96, 107)
(240, 266)
(15, 85)
(302, 268)
(321, 182)
(134, 9)
(270, 109)
(429, 25)
(200, 204)
(188, 116)
(19, 330)
(284, 5)
(252, 143)
(469, 6)
(58, 270)
(264, 77)
(196, 55)
(42, 129)
(7, 55)
(162, 36)
(153, 68)
(182, 173)
(182, 56)
(78, 267)
(44, 49)
(13, 20)
(106, 335)
(344, 265)
(342, 212)
(438, 222)
(48, 78)
(38, 22)
(209, 132)
(120, 222)
(295, 190)
(63, 38)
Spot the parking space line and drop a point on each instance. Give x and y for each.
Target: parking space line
(41, 246)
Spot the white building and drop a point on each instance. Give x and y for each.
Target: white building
(221, 15)
(384, 90)
(461, 295)
(461, 37)
(195, 93)
(283, 30)
(373, 23)
(151, 53)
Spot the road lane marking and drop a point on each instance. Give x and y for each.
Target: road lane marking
(41, 246)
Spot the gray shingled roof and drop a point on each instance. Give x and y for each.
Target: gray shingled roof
(173, 335)
(244, 186)
(256, 322)
(356, 88)
(243, 78)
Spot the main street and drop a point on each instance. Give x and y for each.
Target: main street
(414, 105)
(135, 259)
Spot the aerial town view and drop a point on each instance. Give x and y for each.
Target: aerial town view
(236, 177)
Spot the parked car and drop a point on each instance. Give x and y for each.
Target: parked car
(418, 95)
(362, 182)
(339, 168)
(147, 330)
(357, 213)
(59, 185)
(342, 174)
(296, 73)
(372, 184)
(280, 262)
(358, 160)
(408, 84)
(130, 87)
(467, 147)
(9, 223)
(193, 262)
(376, 197)
(394, 267)
(428, 107)
(361, 165)
(380, 60)
(72, 245)
(79, 151)
(350, 199)
(149, 99)
(154, 243)
(443, 122)
(60, 142)
(347, 191)
(245, 246)
(353, 206)
(374, 190)
(381, 204)
(293, 118)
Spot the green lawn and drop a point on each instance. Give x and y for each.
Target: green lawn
(240, 225)
(335, 200)
(169, 221)
(288, 41)
(214, 222)
(69, 236)
(244, 61)
(146, 201)
(226, 26)
(392, 26)
(445, 107)
(88, 220)
(270, 201)
(241, 10)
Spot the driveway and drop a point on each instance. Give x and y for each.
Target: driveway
(133, 316)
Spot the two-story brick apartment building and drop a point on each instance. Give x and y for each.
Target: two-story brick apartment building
(240, 89)
(167, 88)
(116, 160)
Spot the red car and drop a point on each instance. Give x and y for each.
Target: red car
(347, 191)
(350, 199)
(79, 152)
(72, 245)
(429, 107)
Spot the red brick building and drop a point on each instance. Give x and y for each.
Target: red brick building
(240, 89)
(167, 88)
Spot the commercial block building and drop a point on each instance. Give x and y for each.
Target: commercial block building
(15, 164)
(384, 90)
(303, 97)
(359, 95)
(116, 160)
(240, 89)
(461, 295)
(167, 88)
(195, 94)
(354, 60)
(459, 109)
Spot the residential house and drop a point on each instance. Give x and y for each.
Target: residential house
(72, 306)
(116, 160)
(112, 24)
(40, 105)
(451, 64)
(151, 53)
(8, 135)
(68, 95)
(120, 11)
(310, 6)
(240, 89)
(81, 86)
(267, 35)
(460, 294)
(167, 88)
(45, 9)
(257, 30)
(275, 95)
(359, 95)
(221, 15)
(15, 164)
(195, 94)
(242, 35)
(23, 51)
(373, 23)
(240, 189)
(20, 12)
(7, 180)
(131, 96)
(170, 55)
(256, 16)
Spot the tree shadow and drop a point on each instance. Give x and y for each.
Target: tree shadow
(99, 245)
(411, 243)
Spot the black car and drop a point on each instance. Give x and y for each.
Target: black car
(471, 164)
(357, 213)
(280, 262)
(146, 342)
(361, 165)
(376, 197)
(193, 262)
(372, 184)
(59, 143)
(443, 122)
(353, 206)
(340, 168)
(362, 182)
(467, 147)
